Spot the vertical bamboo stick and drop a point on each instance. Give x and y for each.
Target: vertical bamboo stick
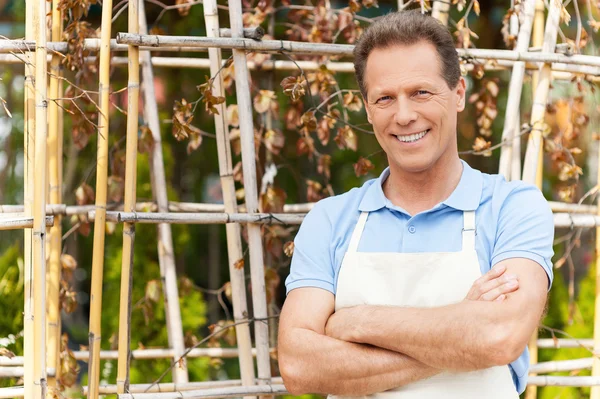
(95, 334)
(595, 390)
(39, 202)
(514, 92)
(28, 155)
(515, 168)
(532, 171)
(540, 7)
(259, 301)
(234, 241)
(166, 256)
(441, 10)
(55, 138)
(133, 88)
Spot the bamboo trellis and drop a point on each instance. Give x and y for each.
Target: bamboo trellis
(238, 40)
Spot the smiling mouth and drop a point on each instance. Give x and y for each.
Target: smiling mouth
(412, 138)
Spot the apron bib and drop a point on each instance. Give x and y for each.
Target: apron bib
(421, 280)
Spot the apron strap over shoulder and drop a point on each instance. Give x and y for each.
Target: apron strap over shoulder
(468, 232)
(360, 226)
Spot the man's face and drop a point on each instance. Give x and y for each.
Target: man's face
(411, 108)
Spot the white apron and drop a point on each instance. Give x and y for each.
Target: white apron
(421, 280)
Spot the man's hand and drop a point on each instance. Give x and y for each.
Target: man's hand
(494, 285)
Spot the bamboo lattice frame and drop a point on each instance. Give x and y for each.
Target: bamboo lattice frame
(552, 65)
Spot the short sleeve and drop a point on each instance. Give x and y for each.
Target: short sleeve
(312, 264)
(525, 228)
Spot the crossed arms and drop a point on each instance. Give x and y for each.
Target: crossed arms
(368, 349)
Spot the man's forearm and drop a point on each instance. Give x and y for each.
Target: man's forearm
(314, 363)
(464, 336)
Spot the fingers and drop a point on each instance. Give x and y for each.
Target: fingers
(477, 289)
(501, 289)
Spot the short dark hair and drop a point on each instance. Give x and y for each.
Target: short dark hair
(407, 28)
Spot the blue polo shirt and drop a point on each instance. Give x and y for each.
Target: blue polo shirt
(513, 220)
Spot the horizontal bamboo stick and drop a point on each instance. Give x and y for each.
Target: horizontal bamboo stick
(560, 381)
(143, 354)
(12, 392)
(201, 218)
(561, 71)
(549, 343)
(14, 222)
(576, 220)
(227, 392)
(561, 365)
(94, 44)
(69, 210)
(173, 387)
(11, 372)
(572, 208)
(17, 222)
(158, 41)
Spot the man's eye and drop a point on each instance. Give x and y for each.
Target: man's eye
(384, 98)
(422, 92)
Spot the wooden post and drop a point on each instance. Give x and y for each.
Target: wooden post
(95, 334)
(55, 140)
(259, 300)
(440, 11)
(166, 257)
(511, 120)
(39, 202)
(28, 156)
(233, 230)
(133, 88)
(595, 391)
(532, 170)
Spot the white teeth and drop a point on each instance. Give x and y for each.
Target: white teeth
(412, 137)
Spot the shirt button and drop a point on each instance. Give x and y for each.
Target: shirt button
(411, 229)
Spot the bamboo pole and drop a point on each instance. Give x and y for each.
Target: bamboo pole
(549, 343)
(440, 11)
(195, 43)
(562, 365)
(214, 218)
(213, 393)
(561, 220)
(546, 381)
(55, 140)
(12, 392)
(95, 333)
(259, 300)
(233, 230)
(595, 391)
(515, 167)
(511, 120)
(133, 86)
(532, 165)
(560, 71)
(166, 257)
(28, 156)
(38, 263)
(171, 387)
(18, 222)
(69, 210)
(145, 354)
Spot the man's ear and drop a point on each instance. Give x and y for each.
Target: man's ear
(461, 92)
(366, 103)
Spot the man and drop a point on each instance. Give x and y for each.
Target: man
(428, 281)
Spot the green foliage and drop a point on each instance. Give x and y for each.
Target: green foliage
(581, 327)
(11, 292)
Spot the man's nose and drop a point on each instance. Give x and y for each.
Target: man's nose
(405, 113)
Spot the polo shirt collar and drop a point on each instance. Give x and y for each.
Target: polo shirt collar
(465, 197)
